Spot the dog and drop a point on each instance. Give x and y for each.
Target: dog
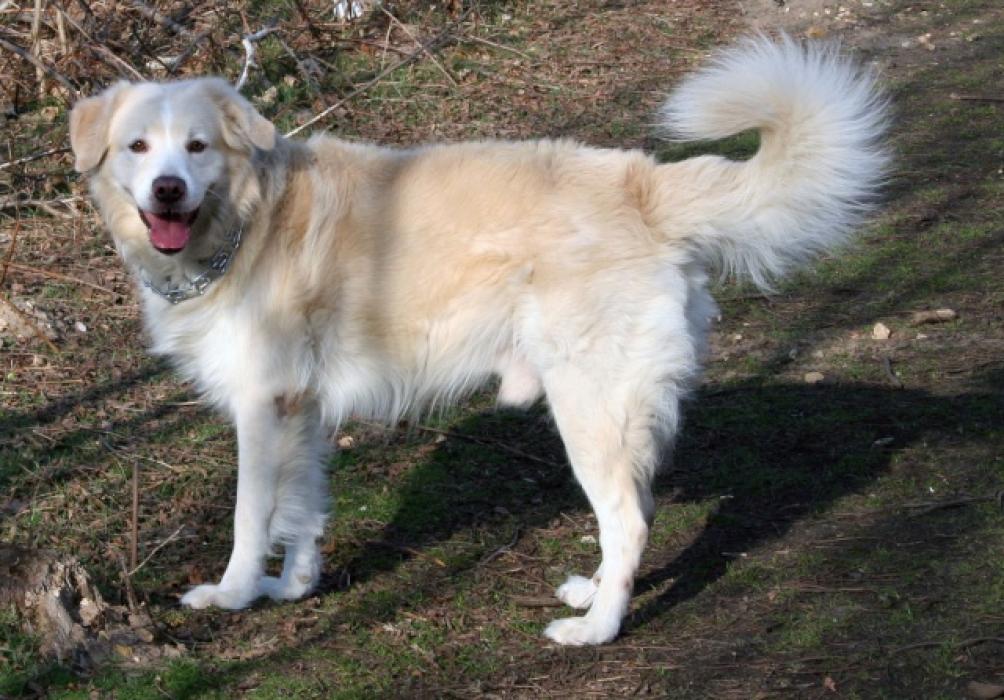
(298, 283)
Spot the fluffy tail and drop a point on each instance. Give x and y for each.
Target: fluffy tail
(819, 165)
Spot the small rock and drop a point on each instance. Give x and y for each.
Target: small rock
(813, 377)
(79, 327)
(984, 691)
(881, 331)
(936, 316)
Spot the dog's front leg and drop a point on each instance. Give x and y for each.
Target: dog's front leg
(259, 446)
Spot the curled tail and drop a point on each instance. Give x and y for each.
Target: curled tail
(820, 163)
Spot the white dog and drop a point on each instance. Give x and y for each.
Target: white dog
(300, 283)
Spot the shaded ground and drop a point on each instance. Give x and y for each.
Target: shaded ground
(834, 539)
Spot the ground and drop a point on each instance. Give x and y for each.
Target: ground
(831, 523)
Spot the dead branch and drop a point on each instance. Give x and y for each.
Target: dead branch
(425, 49)
(435, 41)
(528, 601)
(890, 373)
(10, 251)
(501, 550)
(501, 47)
(170, 538)
(134, 520)
(924, 508)
(309, 80)
(41, 65)
(247, 41)
(492, 443)
(161, 19)
(34, 156)
(59, 276)
(45, 205)
(975, 98)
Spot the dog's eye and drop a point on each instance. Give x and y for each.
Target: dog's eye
(196, 146)
(139, 146)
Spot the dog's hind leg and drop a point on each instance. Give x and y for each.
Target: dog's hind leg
(616, 405)
(612, 452)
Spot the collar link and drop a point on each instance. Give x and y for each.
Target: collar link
(216, 267)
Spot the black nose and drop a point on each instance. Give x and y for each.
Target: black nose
(168, 189)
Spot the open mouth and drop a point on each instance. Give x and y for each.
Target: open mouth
(169, 230)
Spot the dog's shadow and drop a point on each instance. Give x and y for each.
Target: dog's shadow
(767, 454)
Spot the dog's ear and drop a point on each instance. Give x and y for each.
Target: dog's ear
(242, 125)
(89, 121)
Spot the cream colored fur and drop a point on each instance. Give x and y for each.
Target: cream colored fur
(375, 282)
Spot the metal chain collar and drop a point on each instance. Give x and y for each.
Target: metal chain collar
(216, 268)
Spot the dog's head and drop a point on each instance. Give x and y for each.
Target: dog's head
(167, 148)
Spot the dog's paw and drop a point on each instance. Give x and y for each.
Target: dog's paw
(577, 591)
(210, 594)
(580, 631)
(284, 588)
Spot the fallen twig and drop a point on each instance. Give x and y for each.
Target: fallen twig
(529, 601)
(10, 251)
(159, 18)
(134, 529)
(501, 550)
(45, 205)
(975, 98)
(109, 56)
(491, 443)
(383, 74)
(247, 41)
(59, 276)
(127, 581)
(428, 52)
(170, 538)
(924, 508)
(34, 156)
(964, 644)
(503, 47)
(308, 78)
(890, 373)
(408, 550)
(41, 65)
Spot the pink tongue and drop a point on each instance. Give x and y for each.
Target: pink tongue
(168, 234)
